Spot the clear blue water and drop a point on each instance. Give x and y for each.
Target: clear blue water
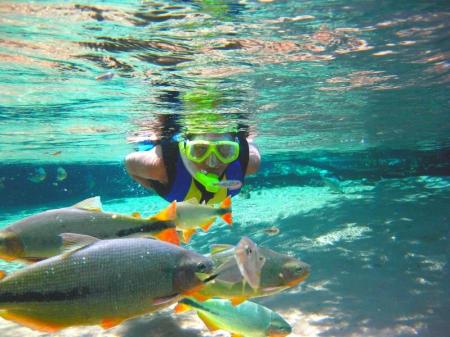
(348, 102)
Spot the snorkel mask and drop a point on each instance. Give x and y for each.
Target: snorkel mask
(197, 151)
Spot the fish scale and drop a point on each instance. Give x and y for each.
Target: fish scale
(108, 279)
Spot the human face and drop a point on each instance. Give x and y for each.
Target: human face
(212, 152)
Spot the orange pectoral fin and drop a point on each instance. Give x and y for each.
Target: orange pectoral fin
(109, 323)
(237, 300)
(167, 214)
(168, 235)
(181, 308)
(34, 323)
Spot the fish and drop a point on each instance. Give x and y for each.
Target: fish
(38, 175)
(192, 215)
(105, 76)
(100, 282)
(278, 273)
(249, 261)
(61, 174)
(248, 319)
(333, 184)
(37, 237)
(272, 231)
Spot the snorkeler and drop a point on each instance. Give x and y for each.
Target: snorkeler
(208, 167)
(206, 161)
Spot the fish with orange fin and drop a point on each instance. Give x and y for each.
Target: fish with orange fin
(100, 282)
(248, 319)
(37, 237)
(191, 215)
(279, 272)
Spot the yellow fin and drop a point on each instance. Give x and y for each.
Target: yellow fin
(136, 215)
(207, 224)
(236, 335)
(91, 204)
(167, 214)
(27, 319)
(212, 326)
(2, 274)
(109, 323)
(187, 234)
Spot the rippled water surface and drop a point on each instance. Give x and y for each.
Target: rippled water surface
(83, 77)
(348, 102)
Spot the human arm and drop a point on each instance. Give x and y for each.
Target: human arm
(147, 165)
(254, 159)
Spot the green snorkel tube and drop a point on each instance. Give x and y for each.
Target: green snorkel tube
(209, 180)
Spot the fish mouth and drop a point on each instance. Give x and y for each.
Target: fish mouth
(205, 278)
(297, 280)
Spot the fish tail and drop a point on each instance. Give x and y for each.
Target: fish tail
(225, 207)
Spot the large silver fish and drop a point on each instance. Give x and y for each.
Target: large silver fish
(278, 273)
(100, 282)
(37, 237)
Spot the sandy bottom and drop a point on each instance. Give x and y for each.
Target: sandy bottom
(379, 256)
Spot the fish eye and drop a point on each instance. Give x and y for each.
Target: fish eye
(202, 267)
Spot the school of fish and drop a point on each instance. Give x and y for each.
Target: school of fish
(90, 267)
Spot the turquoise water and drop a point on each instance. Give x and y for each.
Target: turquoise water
(347, 101)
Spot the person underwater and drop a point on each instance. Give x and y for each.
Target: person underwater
(208, 160)
(207, 167)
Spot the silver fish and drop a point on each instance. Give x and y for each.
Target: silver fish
(100, 282)
(248, 319)
(37, 237)
(278, 273)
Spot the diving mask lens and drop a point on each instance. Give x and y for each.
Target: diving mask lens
(199, 150)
